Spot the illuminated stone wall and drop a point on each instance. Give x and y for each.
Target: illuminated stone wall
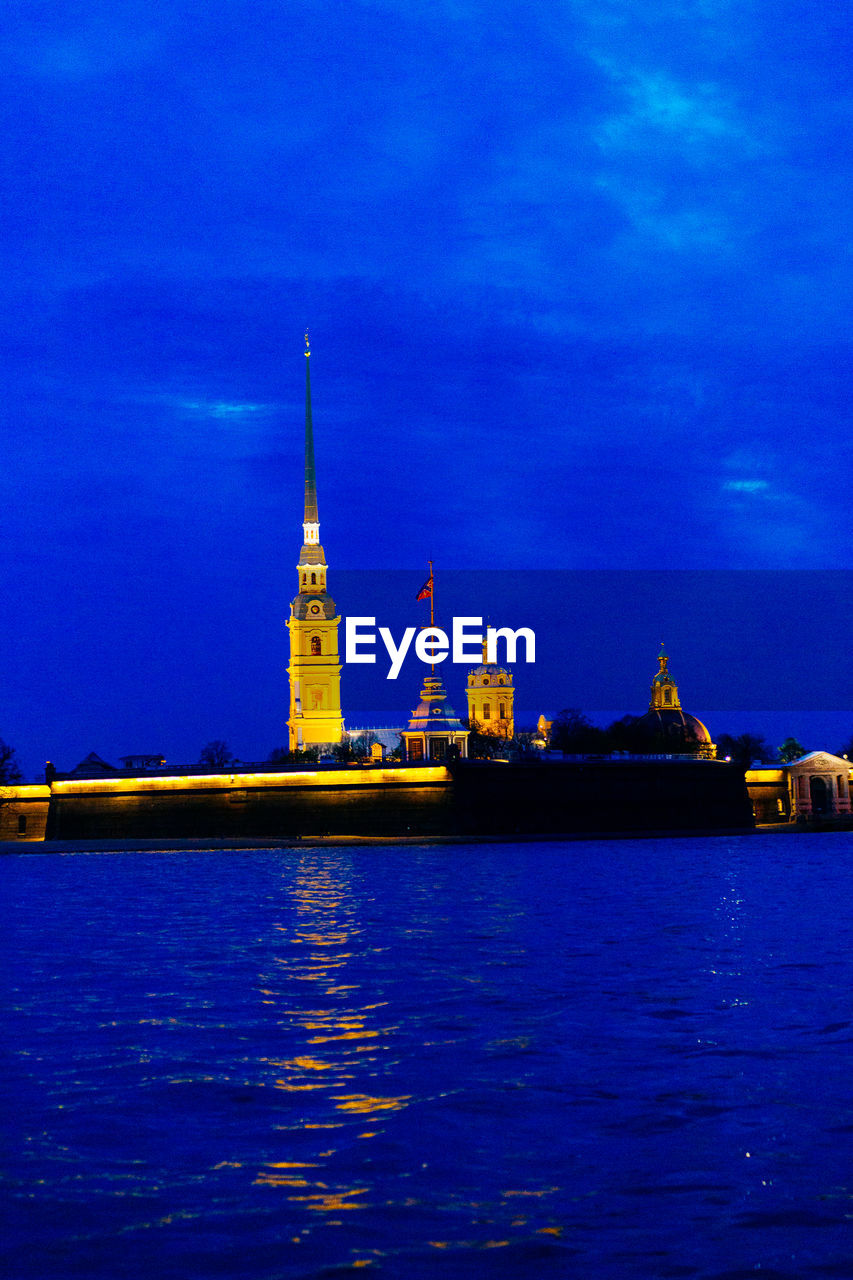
(770, 795)
(24, 812)
(360, 801)
(465, 798)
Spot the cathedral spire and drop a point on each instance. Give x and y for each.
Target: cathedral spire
(311, 520)
(312, 561)
(315, 668)
(311, 516)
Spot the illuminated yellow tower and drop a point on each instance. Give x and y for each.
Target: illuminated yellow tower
(664, 688)
(490, 699)
(315, 668)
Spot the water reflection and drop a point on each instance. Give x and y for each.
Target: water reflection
(730, 921)
(339, 1037)
(259, 1090)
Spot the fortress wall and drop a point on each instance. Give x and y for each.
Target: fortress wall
(360, 805)
(611, 795)
(468, 798)
(24, 812)
(768, 791)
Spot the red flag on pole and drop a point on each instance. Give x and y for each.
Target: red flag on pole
(425, 592)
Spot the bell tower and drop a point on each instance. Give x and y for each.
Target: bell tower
(664, 689)
(315, 669)
(490, 698)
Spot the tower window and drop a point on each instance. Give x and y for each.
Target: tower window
(487, 711)
(313, 579)
(22, 824)
(316, 646)
(667, 695)
(502, 711)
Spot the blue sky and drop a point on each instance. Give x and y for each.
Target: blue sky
(578, 282)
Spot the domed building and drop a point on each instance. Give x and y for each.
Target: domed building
(435, 731)
(665, 727)
(490, 699)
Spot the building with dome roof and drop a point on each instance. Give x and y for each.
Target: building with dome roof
(666, 727)
(435, 731)
(491, 696)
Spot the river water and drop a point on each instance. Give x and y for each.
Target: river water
(598, 1059)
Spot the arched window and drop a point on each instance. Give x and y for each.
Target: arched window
(316, 646)
(667, 695)
(22, 824)
(313, 579)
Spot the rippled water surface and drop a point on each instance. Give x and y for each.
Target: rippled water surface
(597, 1059)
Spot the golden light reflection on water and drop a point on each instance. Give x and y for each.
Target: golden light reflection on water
(363, 1104)
(267, 1179)
(468, 1244)
(339, 1043)
(303, 1086)
(362, 1033)
(334, 1201)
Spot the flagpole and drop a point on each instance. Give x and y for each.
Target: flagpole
(432, 608)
